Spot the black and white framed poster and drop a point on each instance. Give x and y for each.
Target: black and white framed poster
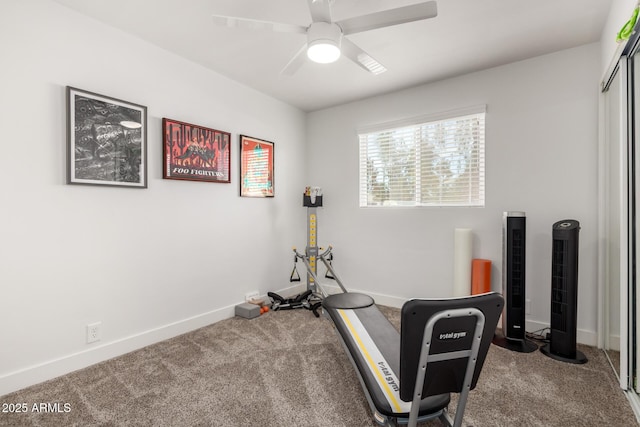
(107, 140)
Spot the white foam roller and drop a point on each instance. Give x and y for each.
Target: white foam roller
(462, 258)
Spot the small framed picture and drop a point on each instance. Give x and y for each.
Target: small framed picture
(256, 167)
(195, 153)
(107, 140)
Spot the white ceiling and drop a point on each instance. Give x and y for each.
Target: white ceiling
(466, 36)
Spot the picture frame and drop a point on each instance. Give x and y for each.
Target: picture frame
(195, 153)
(106, 140)
(256, 167)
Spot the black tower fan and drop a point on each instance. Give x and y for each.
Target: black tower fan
(513, 284)
(564, 293)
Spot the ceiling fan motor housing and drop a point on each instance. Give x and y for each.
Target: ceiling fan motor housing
(323, 41)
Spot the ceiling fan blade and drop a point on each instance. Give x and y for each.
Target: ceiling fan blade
(320, 10)
(296, 62)
(255, 24)
(360, 57)
(387, 18)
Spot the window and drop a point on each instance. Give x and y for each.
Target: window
(433, 161)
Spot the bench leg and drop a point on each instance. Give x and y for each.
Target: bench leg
(446, 418)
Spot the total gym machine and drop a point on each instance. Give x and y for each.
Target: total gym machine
(407, 376)
(312, 298)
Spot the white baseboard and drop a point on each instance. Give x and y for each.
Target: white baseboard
(35, 374)
(613, 344)
(50, 369)
(54, 368)
(291, 290)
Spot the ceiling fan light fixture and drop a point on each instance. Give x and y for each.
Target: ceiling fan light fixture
(323, 41)
(323, 52)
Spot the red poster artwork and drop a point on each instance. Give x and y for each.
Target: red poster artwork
(195, 153)
(256, 167)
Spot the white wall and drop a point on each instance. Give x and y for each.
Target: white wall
(541, 158)
(147, 263)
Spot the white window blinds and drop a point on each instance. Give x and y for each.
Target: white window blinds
(432, 163)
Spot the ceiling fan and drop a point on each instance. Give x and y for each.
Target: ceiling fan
(326, 39)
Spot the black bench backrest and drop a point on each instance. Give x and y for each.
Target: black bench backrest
(453, 334)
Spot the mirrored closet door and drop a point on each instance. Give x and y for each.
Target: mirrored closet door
(611, 210)
(619, 325)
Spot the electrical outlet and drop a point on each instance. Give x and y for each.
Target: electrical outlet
(251, 295)
(93, 332)
(527, 308)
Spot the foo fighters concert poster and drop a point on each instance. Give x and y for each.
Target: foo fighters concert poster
(195, 153)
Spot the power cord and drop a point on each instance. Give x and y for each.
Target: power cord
(542, 335)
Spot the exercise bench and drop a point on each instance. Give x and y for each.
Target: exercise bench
(408, 376)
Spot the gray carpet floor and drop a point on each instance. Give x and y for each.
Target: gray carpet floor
(288, 368)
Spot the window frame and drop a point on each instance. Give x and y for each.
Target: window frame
(417, 123)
